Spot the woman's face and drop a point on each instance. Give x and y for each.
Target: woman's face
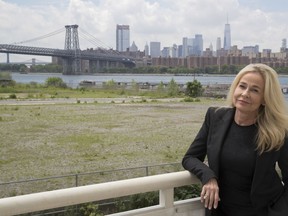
(249, 93)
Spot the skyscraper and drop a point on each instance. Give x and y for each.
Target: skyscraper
(198, 44)
(284, 43)
(192, 46)
(185, 47)
(122, 38)
(218, 44)
(155, 50)
(146, 49)
(227, 36)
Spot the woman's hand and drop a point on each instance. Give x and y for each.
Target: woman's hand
(210, 194)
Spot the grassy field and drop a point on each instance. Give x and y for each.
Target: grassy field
(41, 140)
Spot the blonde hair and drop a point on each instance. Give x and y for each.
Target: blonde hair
(272, 119)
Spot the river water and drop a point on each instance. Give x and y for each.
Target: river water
(74, 80)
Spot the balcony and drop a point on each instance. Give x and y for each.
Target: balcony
(164, 183)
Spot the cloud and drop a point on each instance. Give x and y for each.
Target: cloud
(167, 21)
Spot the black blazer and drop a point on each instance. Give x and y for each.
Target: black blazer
(267, 186)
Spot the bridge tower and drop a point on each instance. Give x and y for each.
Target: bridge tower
(72, 65)
(8, 60)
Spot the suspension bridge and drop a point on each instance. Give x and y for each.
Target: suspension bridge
(73, 59)
(32, 61)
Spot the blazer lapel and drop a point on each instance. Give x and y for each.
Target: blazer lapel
(220, 127)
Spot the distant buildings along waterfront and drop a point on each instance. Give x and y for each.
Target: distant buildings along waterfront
(190, 53)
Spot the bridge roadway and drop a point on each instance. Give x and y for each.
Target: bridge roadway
(92, 55)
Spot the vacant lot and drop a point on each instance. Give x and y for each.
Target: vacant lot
(41, 140)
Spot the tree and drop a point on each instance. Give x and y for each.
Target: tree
(6, 79)
(110, 84)
(161, 88)
(134, 86)
(55, 82)
(5, 76)
(193, 89)
(173, 88)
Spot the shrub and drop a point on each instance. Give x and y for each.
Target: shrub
(12, 96)
(194, 89)
(90, 209)
(187, 192)
(160, 88)
(55, 82)
(134, 86)
(188, 99)
(138, 201)
(173, 89)
(6, 79)
(110, 84)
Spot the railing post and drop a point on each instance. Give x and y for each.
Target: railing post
(166, 198)
(76, 180)
(147, 171)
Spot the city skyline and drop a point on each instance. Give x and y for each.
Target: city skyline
(253, 22)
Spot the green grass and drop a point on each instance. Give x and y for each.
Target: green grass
(26, 91)
(46, 140)
(153, 132)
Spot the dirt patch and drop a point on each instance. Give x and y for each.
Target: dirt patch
(42, 140)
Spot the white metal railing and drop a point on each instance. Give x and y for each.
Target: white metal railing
(164, 183)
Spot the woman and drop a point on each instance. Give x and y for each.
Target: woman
(243, 143)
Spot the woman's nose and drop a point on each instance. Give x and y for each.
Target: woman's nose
(245, 93)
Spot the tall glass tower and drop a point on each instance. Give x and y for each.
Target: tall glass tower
(227, 36)
(122, 38)
(155, 49)
(198, 44)
(218, 44)
(185, 47)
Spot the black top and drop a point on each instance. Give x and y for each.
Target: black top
(237, 165)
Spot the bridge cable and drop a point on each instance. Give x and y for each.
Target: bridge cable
(41, 37)
(89, 37)
(94, 39)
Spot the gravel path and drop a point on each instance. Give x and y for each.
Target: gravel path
(81, 100)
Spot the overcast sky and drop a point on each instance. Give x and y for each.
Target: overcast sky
(253, 22)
